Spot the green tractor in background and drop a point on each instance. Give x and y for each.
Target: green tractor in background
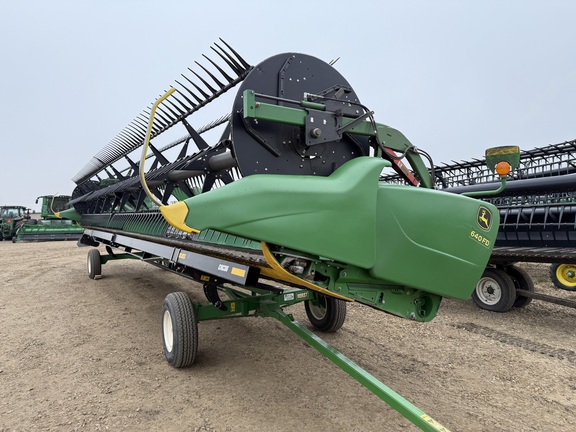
(11, 219)
(50, 227)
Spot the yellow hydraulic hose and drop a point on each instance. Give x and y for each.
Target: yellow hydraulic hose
(174, 214)
(145, 148)
(278, 272)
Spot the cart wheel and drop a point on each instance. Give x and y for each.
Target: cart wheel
(564, 276)
(495, 291)
(522, 280)
(94, 264)
(326, 313)
(179, 330)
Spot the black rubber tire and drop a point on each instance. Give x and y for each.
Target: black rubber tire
(94, 264)
(522, 280)
(495, 291)
(179, 330)
(561, 278)
(327, 314)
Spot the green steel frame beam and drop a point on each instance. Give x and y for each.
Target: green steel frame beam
(396, 402)
(386, 136)
(271, 305)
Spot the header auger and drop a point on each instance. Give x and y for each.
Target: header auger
(289, 193)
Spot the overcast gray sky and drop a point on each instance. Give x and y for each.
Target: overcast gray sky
(454, 76)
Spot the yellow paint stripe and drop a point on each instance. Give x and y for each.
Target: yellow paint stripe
(278, 272)
(434, 423)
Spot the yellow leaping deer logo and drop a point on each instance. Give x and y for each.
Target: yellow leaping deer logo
(484, 218)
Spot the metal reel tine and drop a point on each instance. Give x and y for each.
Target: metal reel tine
(158, 114)
(189, 91)
(123, 145)
(212, 89)
(135, 127)
(145, 115)
(202, 92)
(145, 119)
(175, 106)
(162, 108)
(231, 61)
(138, 126)
(159, 119)
(240, 59)
(214, 123)
(117, 150)
(211, 75)
(142, 123)
(127, 139)
(131, 134)
(224, 74)
(186, 107)
(139, 133)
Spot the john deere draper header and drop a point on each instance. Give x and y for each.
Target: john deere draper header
(289, 193)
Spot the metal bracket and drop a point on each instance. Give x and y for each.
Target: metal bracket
(322, 126)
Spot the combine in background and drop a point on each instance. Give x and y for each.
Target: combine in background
(50, 227)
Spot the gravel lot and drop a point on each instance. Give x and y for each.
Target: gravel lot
(80, 354)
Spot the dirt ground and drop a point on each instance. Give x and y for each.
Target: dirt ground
(81, 354)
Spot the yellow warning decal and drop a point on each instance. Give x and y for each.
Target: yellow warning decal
(205, 278)
(233, 307)
(181, 255)
(238, 272)
(434, 423)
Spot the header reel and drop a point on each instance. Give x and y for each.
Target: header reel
(305, 119)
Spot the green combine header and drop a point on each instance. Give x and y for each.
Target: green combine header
(285, 207)
(49, 227)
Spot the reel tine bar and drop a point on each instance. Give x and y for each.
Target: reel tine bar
(171, 112)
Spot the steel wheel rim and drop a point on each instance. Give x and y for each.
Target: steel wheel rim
(168, 331)
(318, 308)
(89, 266)
(488, 291)
(566, 274)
